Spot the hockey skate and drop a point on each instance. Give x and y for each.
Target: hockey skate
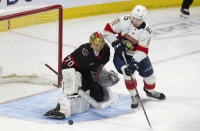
(154, 94)
(134, 103)
(185, 13)
(55, 114)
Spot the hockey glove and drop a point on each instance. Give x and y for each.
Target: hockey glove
(130, 69)
(118, 46)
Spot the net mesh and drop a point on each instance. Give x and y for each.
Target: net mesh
(26, 42)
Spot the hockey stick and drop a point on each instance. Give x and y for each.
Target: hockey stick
(89, 99)
(123, 54)
(94, 103)
(48, 66)
(54, 71)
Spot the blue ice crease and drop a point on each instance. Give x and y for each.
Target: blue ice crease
(32, 108)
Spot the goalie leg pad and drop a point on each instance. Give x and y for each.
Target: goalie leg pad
(65, 106)
(68, 106)
(79, 105)
(73, 105)
(71, 81)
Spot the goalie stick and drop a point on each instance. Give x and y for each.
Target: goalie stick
(94, 103)
(50, 68)
(54, 71)
(88, 98)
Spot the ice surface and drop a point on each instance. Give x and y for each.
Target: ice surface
(175, 54)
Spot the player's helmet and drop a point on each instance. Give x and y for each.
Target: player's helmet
(97, 41)
(139, 12)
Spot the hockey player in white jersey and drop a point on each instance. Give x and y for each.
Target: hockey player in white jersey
(131, 34)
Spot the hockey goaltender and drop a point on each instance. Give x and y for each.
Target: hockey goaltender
(85, 80)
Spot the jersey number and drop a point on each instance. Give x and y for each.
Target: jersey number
(127, 17)
(149, 30)
(69, 62)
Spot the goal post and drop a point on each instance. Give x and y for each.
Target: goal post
(26, 39)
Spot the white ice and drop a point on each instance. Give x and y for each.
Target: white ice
(175, 54)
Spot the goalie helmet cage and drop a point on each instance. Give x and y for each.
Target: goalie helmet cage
(26, 39)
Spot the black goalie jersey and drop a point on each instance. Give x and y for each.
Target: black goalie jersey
(87, 63)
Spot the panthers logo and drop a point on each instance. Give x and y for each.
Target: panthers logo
(130, 42)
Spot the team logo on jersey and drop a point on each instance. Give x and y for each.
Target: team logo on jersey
(85, 52)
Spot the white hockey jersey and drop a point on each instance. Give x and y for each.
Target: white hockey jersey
(123, 25)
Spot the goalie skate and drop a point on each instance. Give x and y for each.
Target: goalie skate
(55, 114)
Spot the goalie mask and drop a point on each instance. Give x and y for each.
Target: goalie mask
(97, 41)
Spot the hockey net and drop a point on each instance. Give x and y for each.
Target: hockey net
(28, 38)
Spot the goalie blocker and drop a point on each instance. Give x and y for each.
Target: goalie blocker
(79, 101)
